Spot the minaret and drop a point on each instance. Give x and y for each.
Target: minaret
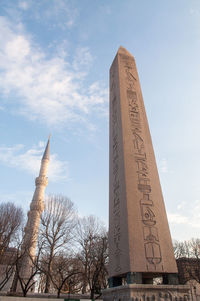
(34, 214)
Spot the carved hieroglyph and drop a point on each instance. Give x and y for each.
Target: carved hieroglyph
(34, 214)
(139, 237)
(144, 292)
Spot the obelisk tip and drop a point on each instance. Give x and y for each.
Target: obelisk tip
(123, 50)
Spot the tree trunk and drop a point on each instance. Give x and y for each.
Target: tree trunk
(24, 290)
(85, 278)
(47, 285)
(58, 293)
(92, 294)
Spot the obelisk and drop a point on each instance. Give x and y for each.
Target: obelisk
(140, 244)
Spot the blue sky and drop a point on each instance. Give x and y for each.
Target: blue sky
(54, 62)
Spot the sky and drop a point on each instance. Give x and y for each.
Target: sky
(55, 57)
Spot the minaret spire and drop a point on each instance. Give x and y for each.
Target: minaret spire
(34, 214)
(45, 162)
(46, 155)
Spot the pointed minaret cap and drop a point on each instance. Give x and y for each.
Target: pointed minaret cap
(123, 50)
(46, 155)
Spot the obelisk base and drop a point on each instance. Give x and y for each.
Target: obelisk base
(146, 292)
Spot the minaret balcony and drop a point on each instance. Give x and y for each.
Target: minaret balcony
(42, 180)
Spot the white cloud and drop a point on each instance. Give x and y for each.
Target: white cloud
(62, 13)
(190, 216)
(195, 11)
(83, 58)
(55, 13)
(181, 205)
(41, 144)
(163, 166)
(176, 218)
(23, 5)
(30, 160)
(17, 198)
(46, 89)
(61, 48)
(195, 220)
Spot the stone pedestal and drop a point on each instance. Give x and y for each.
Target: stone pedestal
(145, 292)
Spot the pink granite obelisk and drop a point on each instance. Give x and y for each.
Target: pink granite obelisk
(140, 245)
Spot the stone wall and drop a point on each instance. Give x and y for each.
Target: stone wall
(188, 268)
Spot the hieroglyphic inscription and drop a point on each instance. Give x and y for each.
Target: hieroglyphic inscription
(167, 296)
(144, 294)
(116, 182)
(150, 232)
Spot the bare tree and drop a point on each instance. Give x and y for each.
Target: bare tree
(23, 259)
(93, 254)
(195, 248)
(41, 283)
(7, 271)
(181, 249)
(187, 254)
(57, 224)
(11, 218)
(98, 271)
(64, 268)
(187, 249)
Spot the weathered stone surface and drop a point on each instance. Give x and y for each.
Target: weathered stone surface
(144, 292)
(42, 297)
(139, 236)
